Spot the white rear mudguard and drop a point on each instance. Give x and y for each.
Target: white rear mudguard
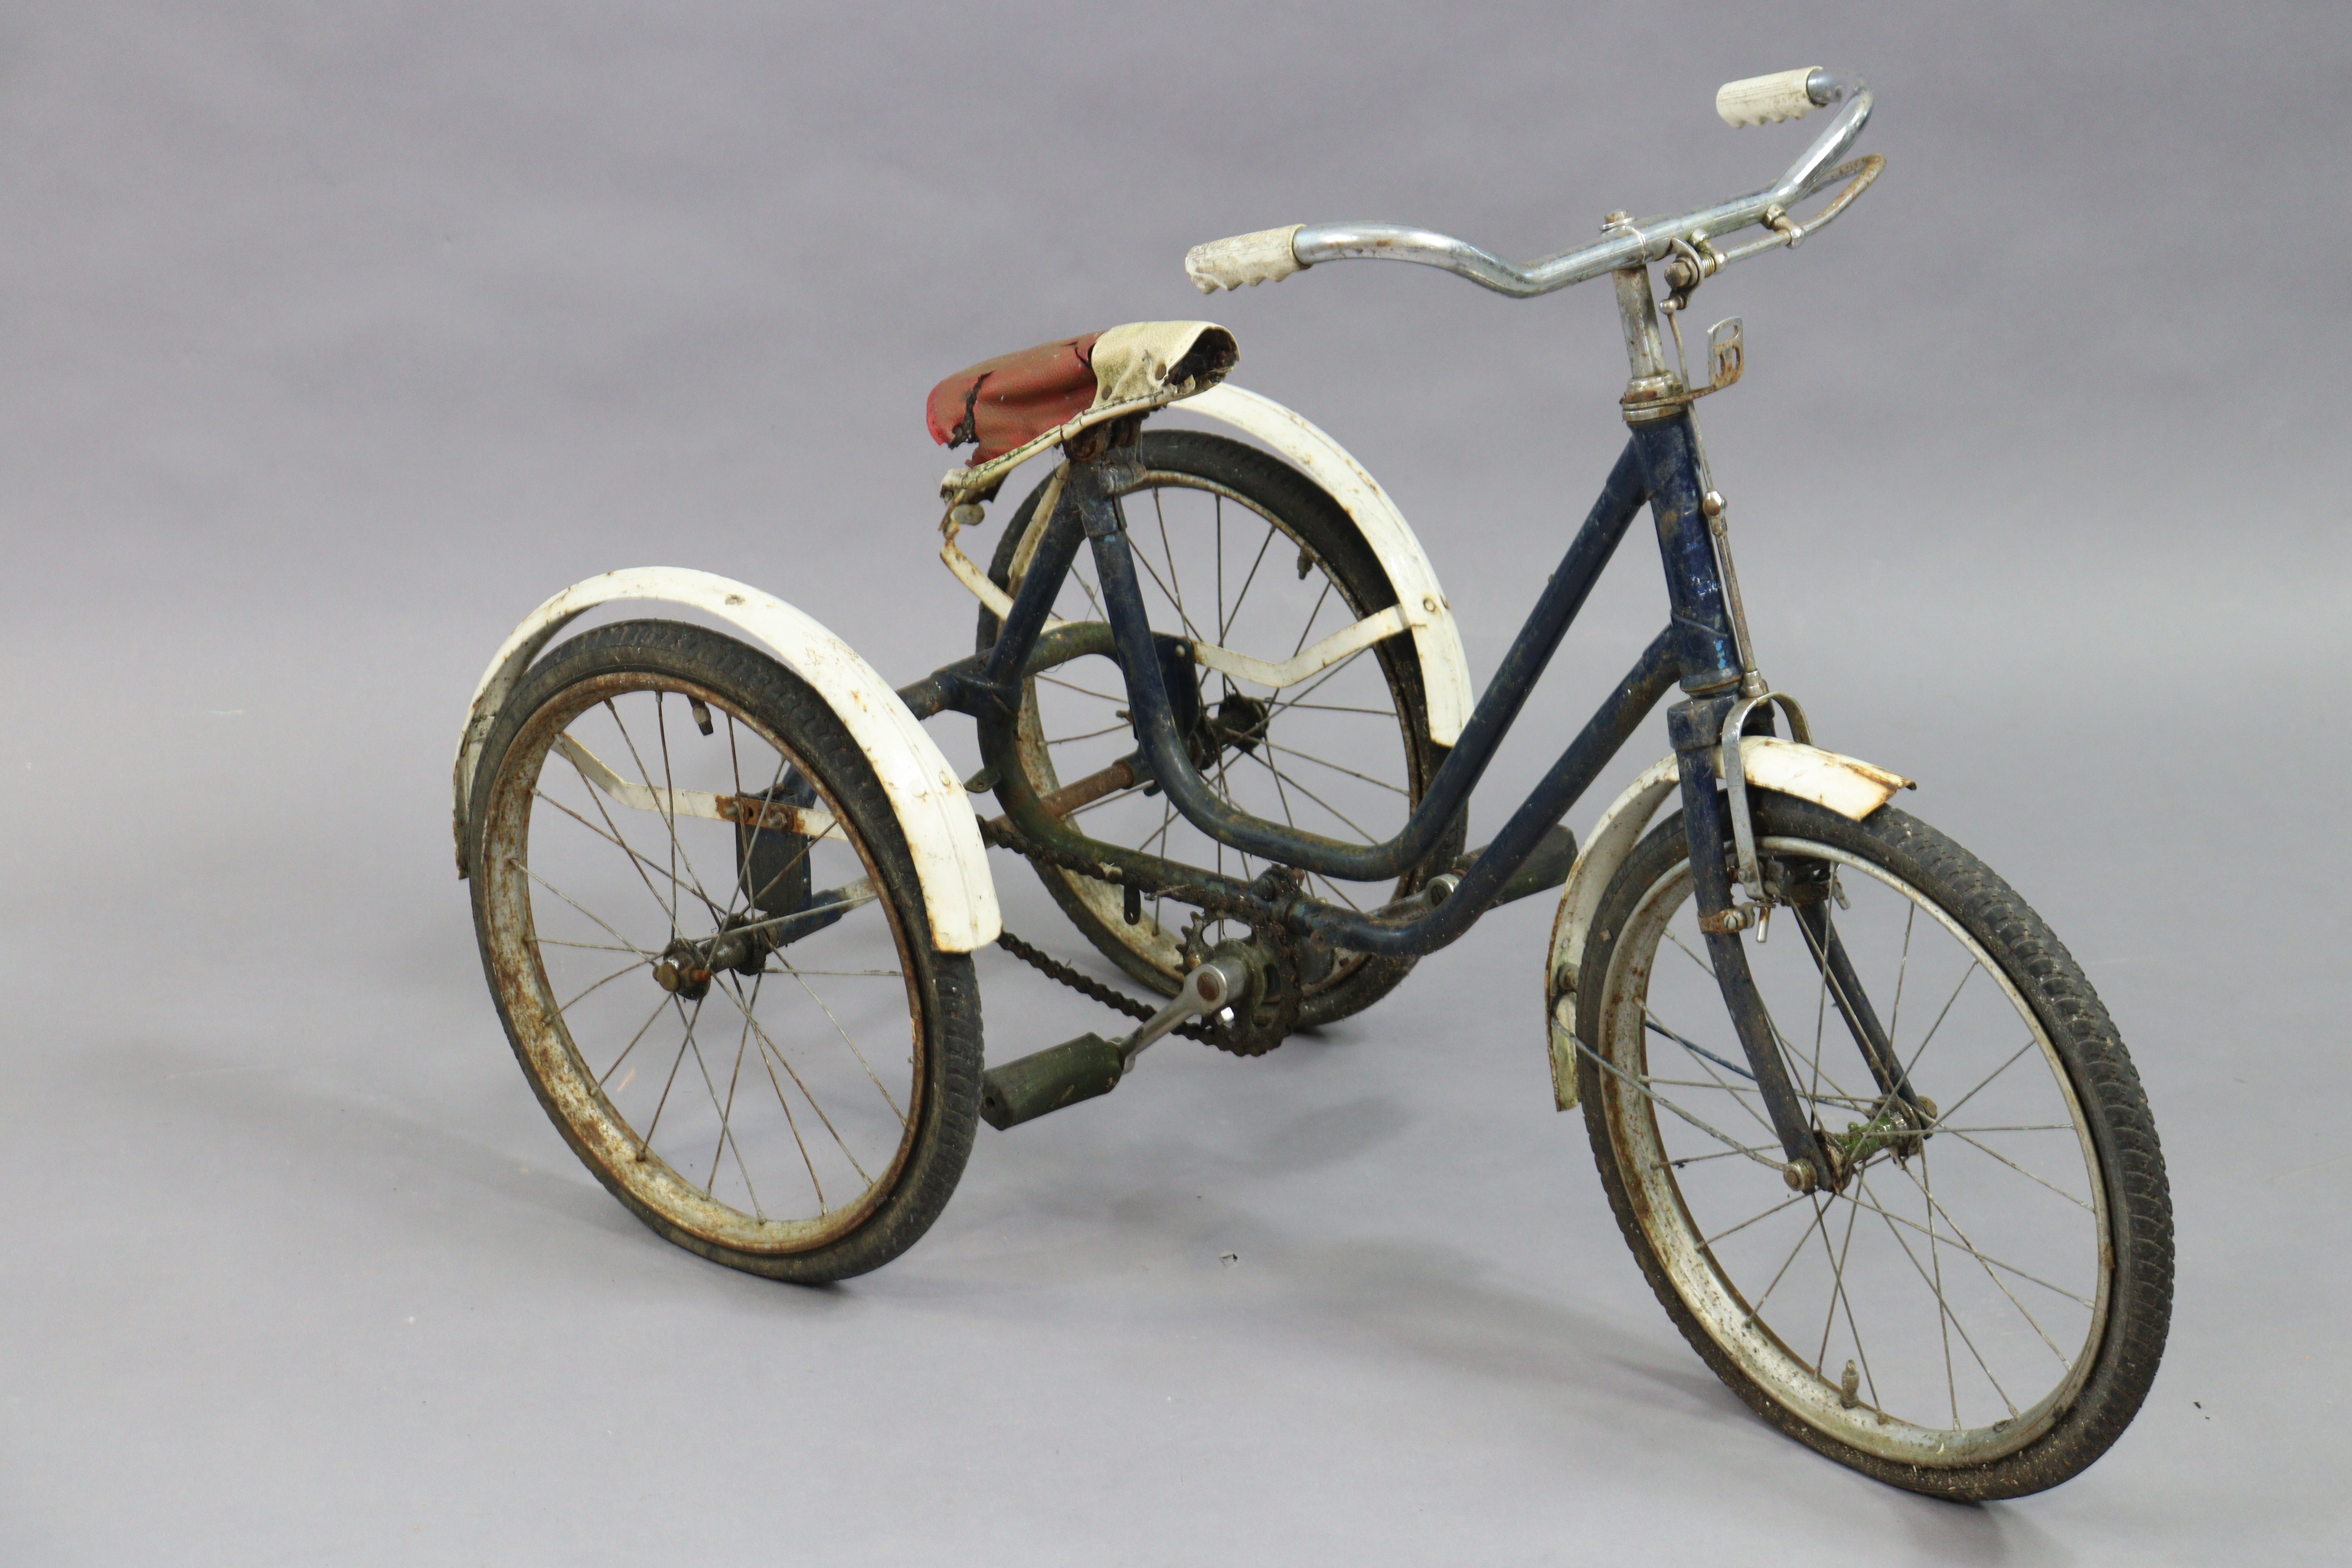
(1852, 789)
(942, 834)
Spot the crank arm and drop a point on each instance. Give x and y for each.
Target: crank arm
(1208, 989)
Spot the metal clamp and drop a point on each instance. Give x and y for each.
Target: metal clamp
(1731, 766)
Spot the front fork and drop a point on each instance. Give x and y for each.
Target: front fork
(1695, 726)
(1719, 680)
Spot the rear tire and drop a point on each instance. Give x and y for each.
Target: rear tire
(1241, 527)
(775, 1119)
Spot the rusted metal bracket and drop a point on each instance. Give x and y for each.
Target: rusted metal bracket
(1731, 766)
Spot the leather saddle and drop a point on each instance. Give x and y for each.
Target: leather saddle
(1049, 393)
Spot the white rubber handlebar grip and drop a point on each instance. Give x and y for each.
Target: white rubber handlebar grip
(1764, 99)
(1261, 257)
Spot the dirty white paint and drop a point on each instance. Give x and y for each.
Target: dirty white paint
(1330, 651)
(1446, 672)
(1847, 786)
(1325, 653)
(779, 815)
(942, 834)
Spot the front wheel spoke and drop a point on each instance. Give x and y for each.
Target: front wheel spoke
(1705, 1059)
(1943, 1307)
(1790, 1061)
(1752, 1219)
(1962, 1246)
(1996, 1072)
(1755, 1312)
(1936, 1207)
(2018, 1168)
(1675, 937)
(1965, 975)
(1732, 1145)
(1650, 1021)
(1902, 972)
(1839, 1298)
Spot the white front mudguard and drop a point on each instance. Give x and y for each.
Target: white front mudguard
(1852, 789)
(942, 833)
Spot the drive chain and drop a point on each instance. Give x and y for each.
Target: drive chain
(1264, 924)
(1092, 989)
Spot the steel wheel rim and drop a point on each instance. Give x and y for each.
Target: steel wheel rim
(1686, 1250)
(1149, 940)
(635, 1162)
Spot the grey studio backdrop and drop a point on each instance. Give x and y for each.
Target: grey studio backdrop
(338, 337)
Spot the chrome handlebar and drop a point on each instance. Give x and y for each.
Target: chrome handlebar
(1625, 242)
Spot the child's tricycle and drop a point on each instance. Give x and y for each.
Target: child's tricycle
(1225, 717)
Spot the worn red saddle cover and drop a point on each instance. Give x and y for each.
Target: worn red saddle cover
(1012, 398)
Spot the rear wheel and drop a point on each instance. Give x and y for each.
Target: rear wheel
(1977, 1310)
(1238, 549)
(705, 935)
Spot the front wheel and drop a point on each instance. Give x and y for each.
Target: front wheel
(1977, 1308)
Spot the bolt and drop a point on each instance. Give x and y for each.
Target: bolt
(1712, 503)
(1800, 1176)
(1613, 219)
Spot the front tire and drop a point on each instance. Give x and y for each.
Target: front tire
(1979, 1309)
